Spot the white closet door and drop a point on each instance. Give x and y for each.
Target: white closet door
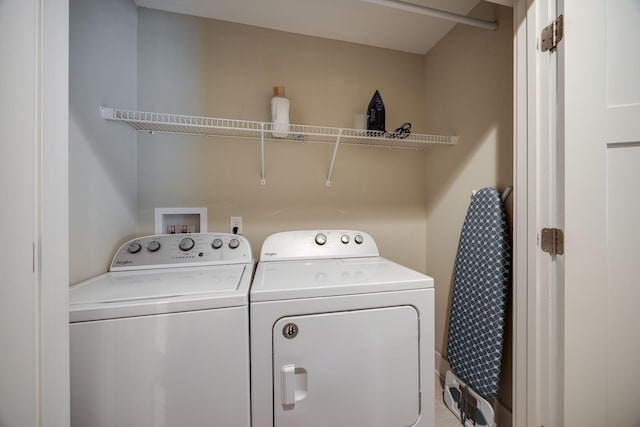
(602, 206)
(19, 357)
(355, 368)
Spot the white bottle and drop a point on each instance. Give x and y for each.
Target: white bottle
(280, 113)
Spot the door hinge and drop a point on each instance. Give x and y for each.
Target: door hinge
(552, 241)
(551, 35)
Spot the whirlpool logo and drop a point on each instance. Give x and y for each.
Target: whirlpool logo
(271, 254)
(124, 262)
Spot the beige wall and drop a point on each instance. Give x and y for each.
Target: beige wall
(468, 93)
(206, 67)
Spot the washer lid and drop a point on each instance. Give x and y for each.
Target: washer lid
(319, 278)
(144, 292)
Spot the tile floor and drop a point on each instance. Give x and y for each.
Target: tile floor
(444, 417)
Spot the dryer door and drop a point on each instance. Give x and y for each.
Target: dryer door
(347, 369)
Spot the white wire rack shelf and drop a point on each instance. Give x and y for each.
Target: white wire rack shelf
(231, 128)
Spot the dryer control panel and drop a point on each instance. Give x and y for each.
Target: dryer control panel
(174, 250)
(318, 244)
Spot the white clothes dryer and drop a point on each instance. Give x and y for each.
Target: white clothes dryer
(339, 335)
(162, 338)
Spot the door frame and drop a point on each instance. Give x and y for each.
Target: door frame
(53, 214)
(52, 206)
(538, 174)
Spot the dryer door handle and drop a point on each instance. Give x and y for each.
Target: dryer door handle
(288, 374)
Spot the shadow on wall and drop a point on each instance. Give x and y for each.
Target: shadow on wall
(102, 155)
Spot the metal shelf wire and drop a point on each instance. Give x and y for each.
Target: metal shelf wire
(230, 128)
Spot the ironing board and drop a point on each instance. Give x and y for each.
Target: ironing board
(482, 276)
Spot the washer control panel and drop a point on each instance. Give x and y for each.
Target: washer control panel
(171, 250)
(318, 244)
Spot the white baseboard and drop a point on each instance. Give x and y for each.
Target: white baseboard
(503, 415)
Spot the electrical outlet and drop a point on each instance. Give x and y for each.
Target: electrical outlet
(235, 221)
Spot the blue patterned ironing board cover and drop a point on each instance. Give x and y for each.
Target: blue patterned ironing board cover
(481, 279)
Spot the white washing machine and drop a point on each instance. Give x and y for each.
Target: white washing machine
(162, 339)
(339, 335)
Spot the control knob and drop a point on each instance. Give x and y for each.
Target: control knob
(234, 243)
(216, 244)
(321, 239)
(358, 239)
(134, 248)
(186, 244)
(153, 246)
(344, 239)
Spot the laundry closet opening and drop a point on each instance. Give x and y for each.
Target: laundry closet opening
(413, 202)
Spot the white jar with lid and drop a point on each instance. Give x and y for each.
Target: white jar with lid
(280, 113)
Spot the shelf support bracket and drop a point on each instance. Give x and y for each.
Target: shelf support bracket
(107, 113)
(263, 181)
(333, 159)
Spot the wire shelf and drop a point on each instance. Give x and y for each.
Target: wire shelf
(209, 126)
(246, 129)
